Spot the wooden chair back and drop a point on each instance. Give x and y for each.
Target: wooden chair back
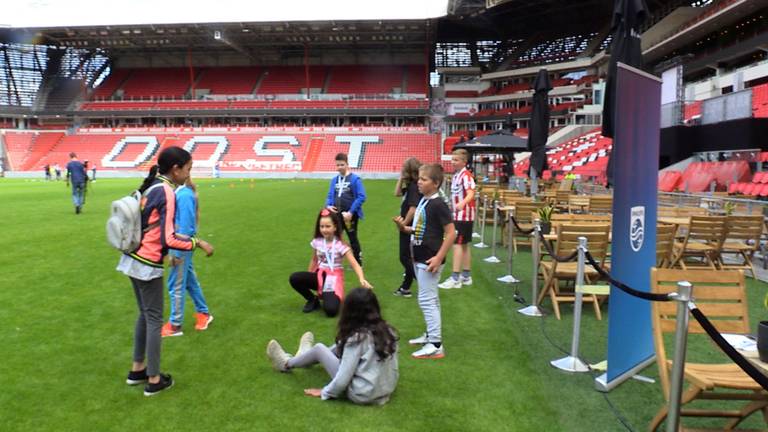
(709, 230)
(744, 228)
(601, 204)
(720, 295)
(596, 234)
(525, 210)
(665, 242)
(578, 203)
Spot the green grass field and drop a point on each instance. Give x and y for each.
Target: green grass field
(66, 324)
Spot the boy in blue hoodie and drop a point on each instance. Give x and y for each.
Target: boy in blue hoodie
(182, 277)
(347, 195)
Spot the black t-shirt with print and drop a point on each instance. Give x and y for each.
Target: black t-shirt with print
(411, 198)
(437, 215)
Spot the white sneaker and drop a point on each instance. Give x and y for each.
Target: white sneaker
(306, 343)
(466, 280)
(429, 351)
(450, 283)
(421, 340)
(277, 356)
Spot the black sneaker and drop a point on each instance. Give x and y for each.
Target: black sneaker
(402, 292)
(77, 210)
(137, 377)
(165, 383)
(311, 305)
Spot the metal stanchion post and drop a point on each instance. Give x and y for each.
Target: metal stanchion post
(533, 309)
(683, 297)
(573, 363)
(493, 259)
(508, 278)
(482, 244)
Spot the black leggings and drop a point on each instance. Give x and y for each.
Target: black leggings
(305, 283)
(354, 243)
(406, 260)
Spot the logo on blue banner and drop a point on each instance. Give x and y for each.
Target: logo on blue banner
(637, 227)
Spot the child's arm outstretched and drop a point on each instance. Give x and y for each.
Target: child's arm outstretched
(312, 263)
(358, 270)
(353, 351)
(433, 264)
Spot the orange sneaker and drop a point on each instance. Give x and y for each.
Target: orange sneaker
(202, 321)
(170, 330)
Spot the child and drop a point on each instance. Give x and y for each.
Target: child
(432, 234)
(182, 277)
(326, 272)
(463, 201)
(347, 195)
(407, 188)
(363, 362)
(144, 266)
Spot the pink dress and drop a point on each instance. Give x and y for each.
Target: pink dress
(330, 268)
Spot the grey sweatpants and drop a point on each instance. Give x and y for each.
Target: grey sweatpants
(318, 354)
(147, 338)
(429, 301)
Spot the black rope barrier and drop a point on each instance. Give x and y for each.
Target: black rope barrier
(631, 291)
(728, 349)
(551, 252)
(517, 227)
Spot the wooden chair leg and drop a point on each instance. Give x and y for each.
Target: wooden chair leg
(596, 305)
(555, 303)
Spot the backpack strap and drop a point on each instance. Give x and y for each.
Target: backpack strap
(156, 224)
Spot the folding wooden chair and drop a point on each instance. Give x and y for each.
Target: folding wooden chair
(578, 204)
(703, 240)
(524, 214)
(601, 204)
(553, 271)
(742, 238)
(665, 242)
(721, 296)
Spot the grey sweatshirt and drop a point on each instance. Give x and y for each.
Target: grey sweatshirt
(364, 377)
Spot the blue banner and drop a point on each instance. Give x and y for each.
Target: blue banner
(633, 249)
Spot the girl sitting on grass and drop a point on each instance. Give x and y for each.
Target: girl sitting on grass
(363, 362)
(326, 271)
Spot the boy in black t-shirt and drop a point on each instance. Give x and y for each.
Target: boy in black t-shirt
(432, 234)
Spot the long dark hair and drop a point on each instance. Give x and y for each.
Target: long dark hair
(410, 172)
(361, 314)
(335, 218)
(168, 158)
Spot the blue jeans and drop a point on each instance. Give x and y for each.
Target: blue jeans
(182, 279)
(78, 194)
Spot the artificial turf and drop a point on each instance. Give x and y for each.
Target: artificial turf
(67, 321)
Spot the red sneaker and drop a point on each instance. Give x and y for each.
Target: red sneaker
(202, 321)
(170, 330)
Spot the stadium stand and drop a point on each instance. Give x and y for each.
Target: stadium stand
(365, 79)
(158, 83)
(229, 80)
(291, 79)
(382, 150)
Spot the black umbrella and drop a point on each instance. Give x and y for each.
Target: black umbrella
(538, 130)
(628, 15)
(498, 142)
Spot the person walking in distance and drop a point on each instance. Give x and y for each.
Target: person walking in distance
(76, 175)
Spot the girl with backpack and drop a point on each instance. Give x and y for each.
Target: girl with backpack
(363, 362)
(144, 266)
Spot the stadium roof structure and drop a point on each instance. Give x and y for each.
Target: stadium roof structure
(532, 19)
(75, 13)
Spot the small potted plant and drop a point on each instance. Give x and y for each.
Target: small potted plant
(762, 335)
(729, 207)
(545, 218)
